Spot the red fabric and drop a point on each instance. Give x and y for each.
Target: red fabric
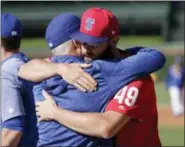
(138, 100)
(106, 27)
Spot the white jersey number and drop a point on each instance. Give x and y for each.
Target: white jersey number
(129, 95)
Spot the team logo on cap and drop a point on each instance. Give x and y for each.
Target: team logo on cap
(14, 33)
(89, 23)
(50, 44)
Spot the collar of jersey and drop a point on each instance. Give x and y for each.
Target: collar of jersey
(12, 56)
(66, 58)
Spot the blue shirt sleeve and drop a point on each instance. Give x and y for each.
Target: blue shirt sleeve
(16, 123)
(134, 50)
(144, 62)
(12, 104)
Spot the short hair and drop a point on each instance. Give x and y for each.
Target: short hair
(10, 44)
(62, 49)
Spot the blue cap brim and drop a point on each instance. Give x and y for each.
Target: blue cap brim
(86, 38)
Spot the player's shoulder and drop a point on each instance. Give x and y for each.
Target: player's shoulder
(141, 82)
(12, 65)
(37, 92)
(67, 59)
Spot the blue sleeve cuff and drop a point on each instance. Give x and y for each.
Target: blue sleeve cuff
(134, 50)
(16, 123)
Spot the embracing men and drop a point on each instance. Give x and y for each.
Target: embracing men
(131, 110)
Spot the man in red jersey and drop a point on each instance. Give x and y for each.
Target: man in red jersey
(137, 100)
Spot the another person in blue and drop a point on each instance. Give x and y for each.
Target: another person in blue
(18, 108)
(175, 85)
(108, 73)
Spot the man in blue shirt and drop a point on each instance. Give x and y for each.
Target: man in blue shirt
(175, 85)
(107, 73)
(18, 107)
(18, 110)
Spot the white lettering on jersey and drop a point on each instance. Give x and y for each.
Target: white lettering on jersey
(128, 95)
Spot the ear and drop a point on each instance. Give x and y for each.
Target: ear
(77, 47)
(76, 43)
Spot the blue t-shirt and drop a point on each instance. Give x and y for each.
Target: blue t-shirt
(111, 76)
(18, 106)
(175, 77)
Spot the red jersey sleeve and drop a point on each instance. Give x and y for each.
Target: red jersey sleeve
(131, 99)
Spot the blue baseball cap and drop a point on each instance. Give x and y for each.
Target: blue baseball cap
(10, 26)
(60, 28)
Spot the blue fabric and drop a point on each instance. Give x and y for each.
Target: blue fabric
(111, 75)
(60, 28)
(24, 98)
(54, 85)
(10, 26)
(175, 78)
(16, 124)
(87, 38)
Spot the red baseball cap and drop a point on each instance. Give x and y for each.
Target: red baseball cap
(97, 25)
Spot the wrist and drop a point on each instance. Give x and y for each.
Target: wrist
(60, 68)
(55, 112)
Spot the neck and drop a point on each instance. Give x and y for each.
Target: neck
(110, 53)
(116, 53)
(6, 54)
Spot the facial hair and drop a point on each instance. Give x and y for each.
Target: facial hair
(107, 54)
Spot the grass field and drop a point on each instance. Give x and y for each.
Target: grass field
(171, 128)
(162, 93)
(172, 136)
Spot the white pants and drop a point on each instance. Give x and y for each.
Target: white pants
(177, 100)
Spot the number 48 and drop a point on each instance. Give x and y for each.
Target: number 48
(129, 94)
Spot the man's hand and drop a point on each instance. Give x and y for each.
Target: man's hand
(74, 75)
(38, 70)
(45, 109)
(104, 125)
